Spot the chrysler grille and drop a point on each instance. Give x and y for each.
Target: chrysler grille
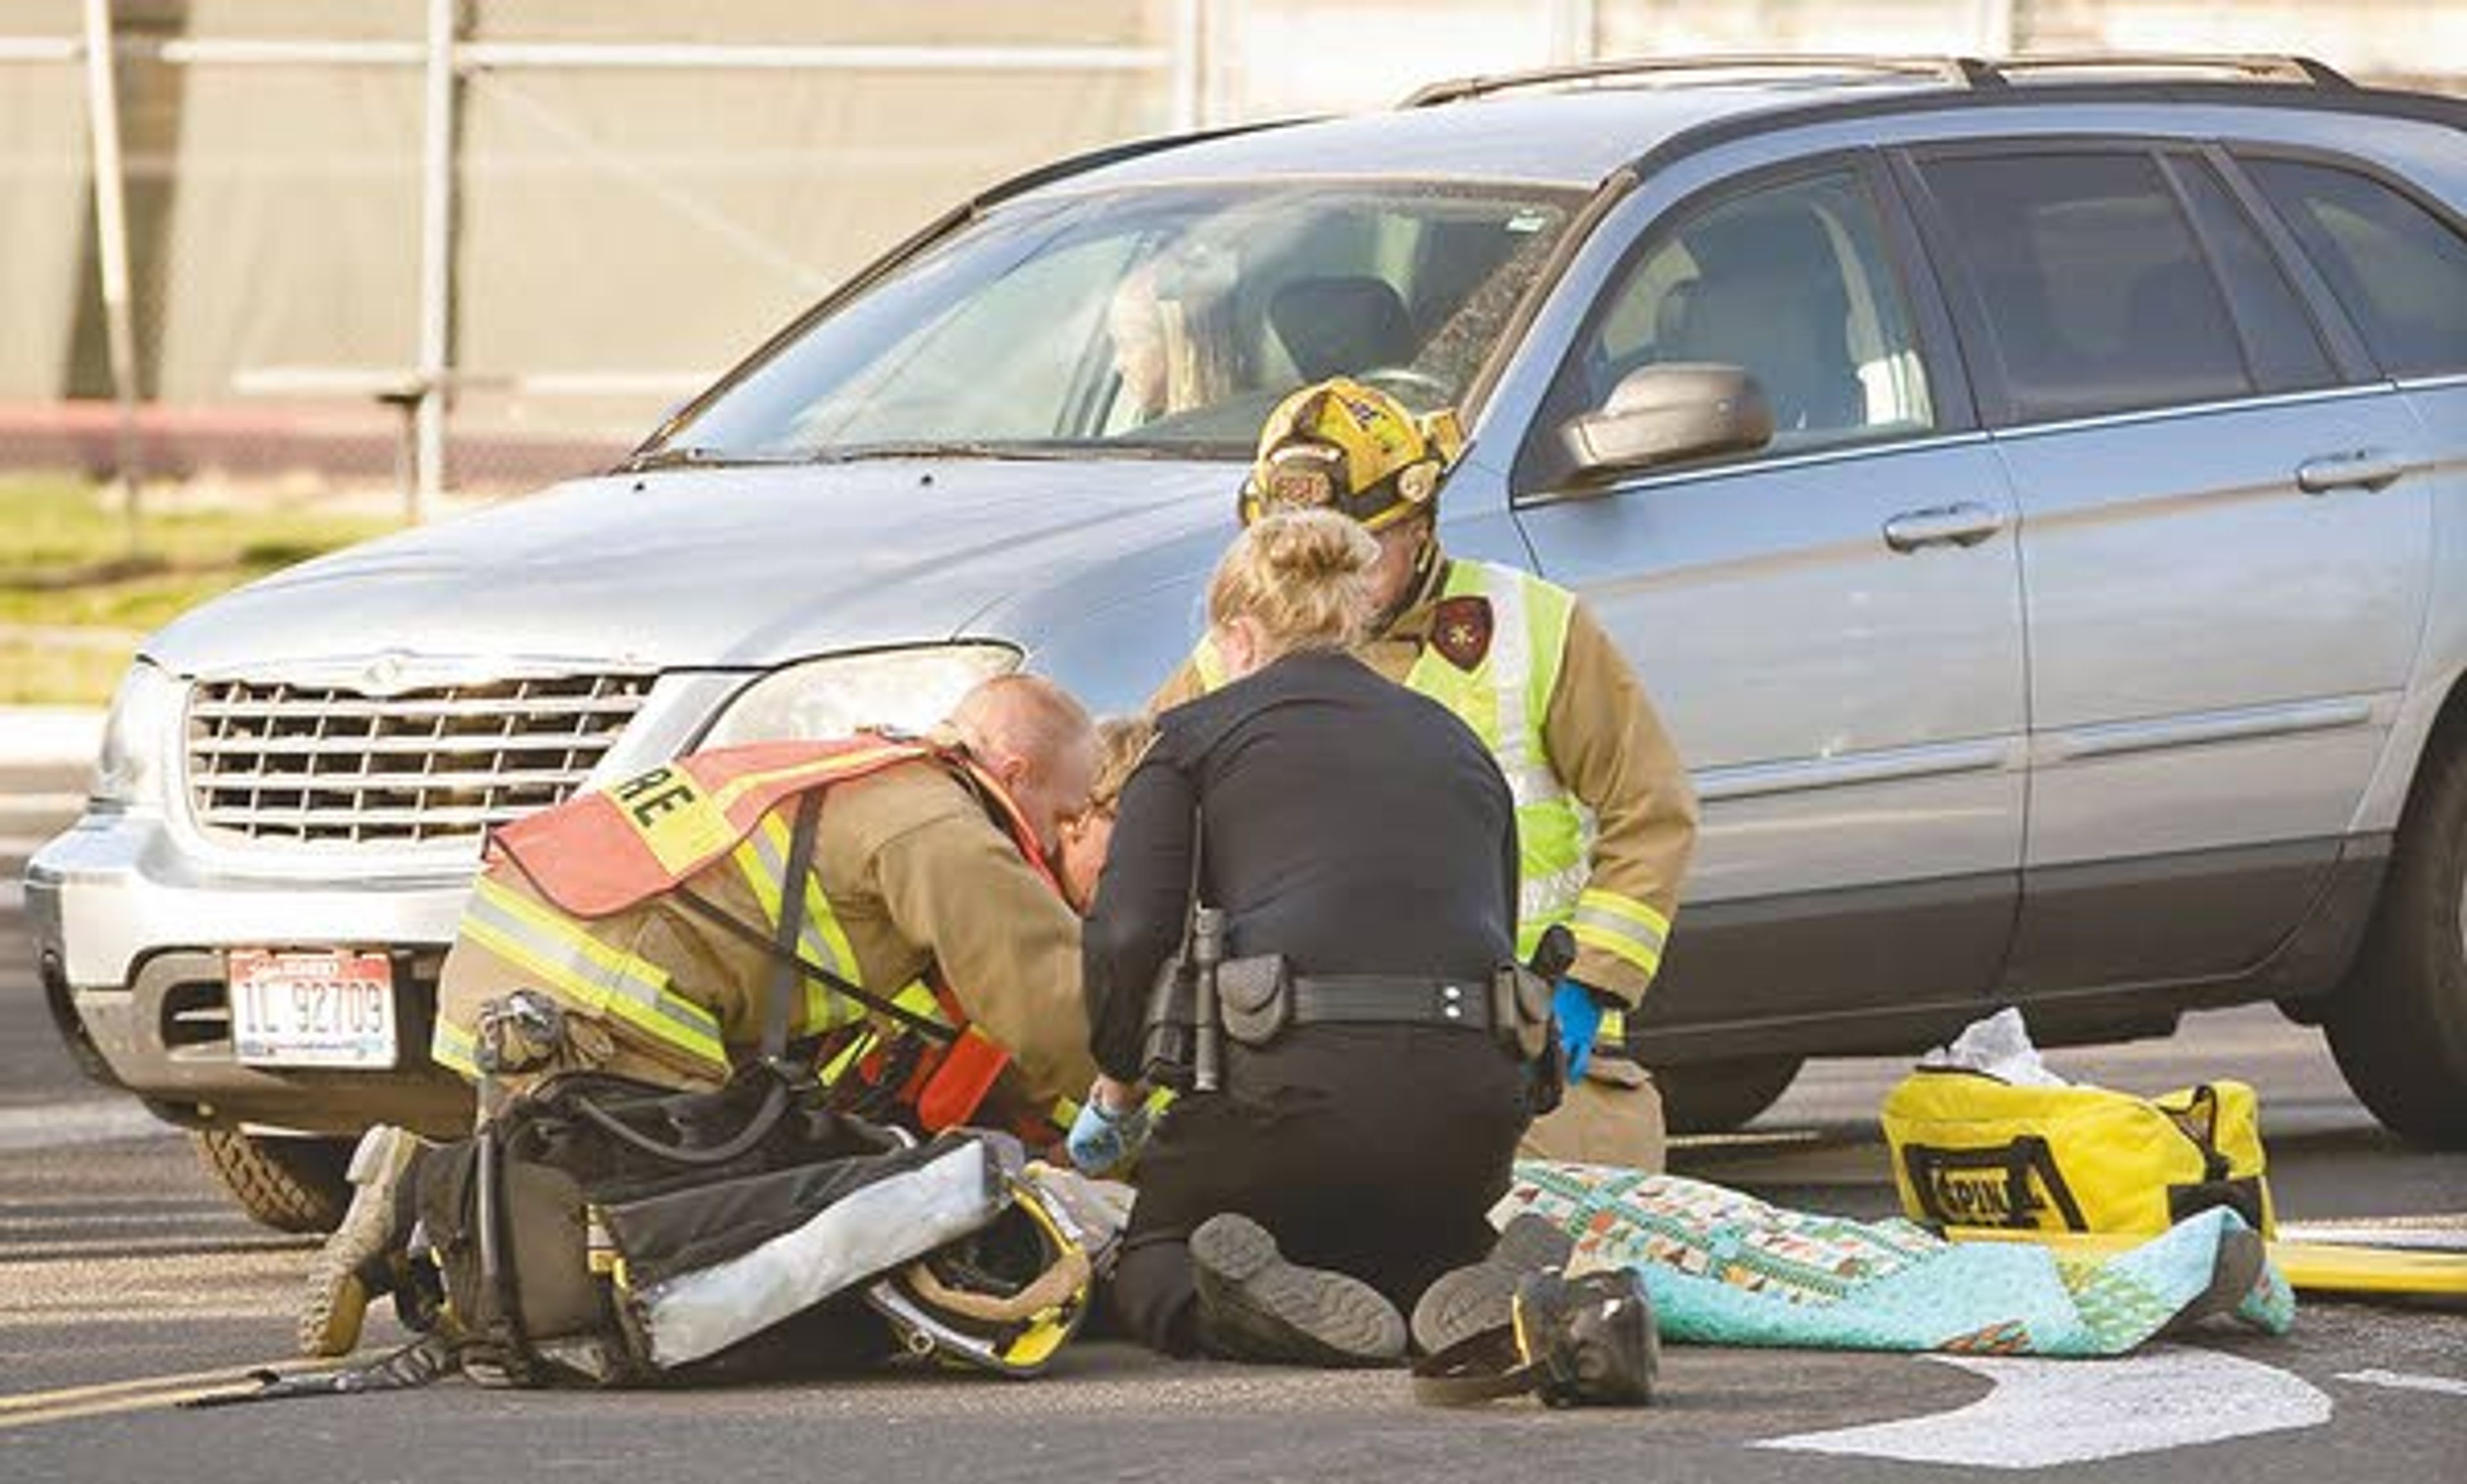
(319, 765)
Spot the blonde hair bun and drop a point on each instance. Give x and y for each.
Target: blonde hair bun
(1303, 576)
(1315, 545)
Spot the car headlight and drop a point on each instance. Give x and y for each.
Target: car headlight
(138, 739)
(906, 688)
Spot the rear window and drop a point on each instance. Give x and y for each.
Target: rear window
(2399, 271)
(2095, 290)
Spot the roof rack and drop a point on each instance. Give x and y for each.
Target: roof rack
(1945, 69)
(2257, 66)
(1969, 71)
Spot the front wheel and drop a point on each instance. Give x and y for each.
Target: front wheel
(1716, 1097)
(2398, 1026)
(290, 1184)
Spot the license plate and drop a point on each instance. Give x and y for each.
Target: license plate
(311, 1009)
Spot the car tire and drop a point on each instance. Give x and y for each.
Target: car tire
(1716, 1097)
(290, 1184)
(2398, 1026)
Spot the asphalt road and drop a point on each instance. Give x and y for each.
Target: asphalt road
(127, 1281)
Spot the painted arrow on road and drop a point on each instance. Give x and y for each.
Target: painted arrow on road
(2048, 1412)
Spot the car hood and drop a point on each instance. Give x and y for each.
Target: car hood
(723, 568)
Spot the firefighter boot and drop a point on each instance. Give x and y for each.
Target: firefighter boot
(1467, 1301)
(1256, 1306)
(360, 1260)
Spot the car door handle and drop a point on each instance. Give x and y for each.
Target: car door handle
(1948, 524)
(2358, 468)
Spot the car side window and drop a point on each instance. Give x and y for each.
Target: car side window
(2282, 346)
(1790, 282)
(2399, 271)
(2095, 289)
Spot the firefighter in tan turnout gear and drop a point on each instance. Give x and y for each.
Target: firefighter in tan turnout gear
(632, 931)
(1606, 816)
(648, 916)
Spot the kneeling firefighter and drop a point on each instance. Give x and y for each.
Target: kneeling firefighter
(1354, 1110)
(887, 899)
(1605, 815)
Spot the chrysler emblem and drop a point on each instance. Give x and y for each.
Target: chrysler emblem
(383, 675)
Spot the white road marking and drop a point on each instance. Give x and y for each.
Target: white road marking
(2048, 1412)
(2424, 1234)
(55, 1125)
(2402, 1380)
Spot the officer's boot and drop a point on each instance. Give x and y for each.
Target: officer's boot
(2242, 1257)
(1256, 1306)
(1468, 1300)
(365, 1255)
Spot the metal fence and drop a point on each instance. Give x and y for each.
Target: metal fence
(485, 243)
(289, 234)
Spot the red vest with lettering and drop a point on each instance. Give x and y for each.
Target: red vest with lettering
(616, 847)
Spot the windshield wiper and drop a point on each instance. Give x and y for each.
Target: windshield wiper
(696, 456)
(1047, 451)
(922, 448)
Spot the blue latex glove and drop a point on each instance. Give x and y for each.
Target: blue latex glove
(1580, 1019)
(1101, 1139)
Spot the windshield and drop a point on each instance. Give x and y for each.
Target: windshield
(1156, 322)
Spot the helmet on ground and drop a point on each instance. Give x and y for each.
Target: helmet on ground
(1003, 1298)
(1351, 448)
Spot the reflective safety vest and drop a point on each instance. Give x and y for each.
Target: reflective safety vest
(1505, 696)
(615, 850)
(612, 848)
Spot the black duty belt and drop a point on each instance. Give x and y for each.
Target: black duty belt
(1385, 999)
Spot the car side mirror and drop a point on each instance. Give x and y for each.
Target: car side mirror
(1667, 413)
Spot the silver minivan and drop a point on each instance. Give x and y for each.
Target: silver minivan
(2085, 634)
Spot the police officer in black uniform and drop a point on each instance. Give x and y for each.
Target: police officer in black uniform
(1361, 833)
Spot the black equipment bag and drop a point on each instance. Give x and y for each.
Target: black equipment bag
(527, 1219)
(546, 1226)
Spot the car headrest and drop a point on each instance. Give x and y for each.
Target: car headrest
(1338, 324)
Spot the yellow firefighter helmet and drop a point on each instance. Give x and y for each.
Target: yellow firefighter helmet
(1004, 1298)
(1351, 448)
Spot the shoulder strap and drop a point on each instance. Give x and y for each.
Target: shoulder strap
(2197, 1120)
(786, 982)
(798, 963)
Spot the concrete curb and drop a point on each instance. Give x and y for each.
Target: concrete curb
(38, 736)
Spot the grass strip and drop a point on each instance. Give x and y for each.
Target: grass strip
(74, 598)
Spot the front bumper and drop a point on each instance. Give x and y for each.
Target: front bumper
(129, 930)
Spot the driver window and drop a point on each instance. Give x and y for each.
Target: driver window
(1791, 284)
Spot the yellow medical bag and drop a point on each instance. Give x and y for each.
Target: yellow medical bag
(1969, 1150)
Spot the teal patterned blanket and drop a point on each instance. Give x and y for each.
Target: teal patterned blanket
(1725, 1269)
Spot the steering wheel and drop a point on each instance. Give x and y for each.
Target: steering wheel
(1409, 385)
